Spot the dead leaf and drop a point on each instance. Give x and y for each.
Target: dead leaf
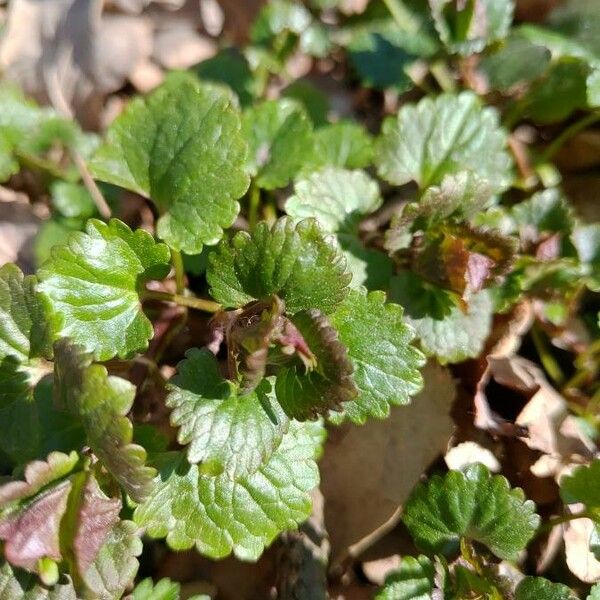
(469, 453)
(181, 47)
(18, 226)
(580, 560)
(66, 53)
(368, 471)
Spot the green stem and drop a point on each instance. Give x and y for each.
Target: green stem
(33, 162)
(551, 523)
(567, 134)
(443, 76)
(188, 301)
(177, 261)
(546, 357)
(401, 15)
(254, 206)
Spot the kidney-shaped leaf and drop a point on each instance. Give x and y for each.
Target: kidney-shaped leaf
(295, 261)
(219, 515)
(226, 432)
(181, 147)
(440, 136)
(93, 285)
(472, 504)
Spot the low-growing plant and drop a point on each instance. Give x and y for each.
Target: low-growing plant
(290, 292)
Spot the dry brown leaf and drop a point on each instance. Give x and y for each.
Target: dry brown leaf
(377, 570)
(66, 53)
(181, 47)
(580, 560)
(468, 453)
(368, 471)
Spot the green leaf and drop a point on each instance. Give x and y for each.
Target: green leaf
(562, 90)
(379, 343)
(92, 285)
(338, 199)
(472, 504)
(586, 239)
(582, 485)
(468, 27)
(280, 139)
(547, 211)
(165, 589)
(382, 54)
(305, 393)
(459, 197)
(219, 515)
(440, 136)
(295, 261)
(314, 100)
(229, 67)
(443, 328)
(181, 147)
(28, 131)
(579, 22)
(227, 432)
(413, 580)
(25, 339)
(344, 144)
(101, 402)
(594, 593)
(72, 200)
(519, 61)
(539, 588)
(21, 585)
(335, 197)
(115, 565)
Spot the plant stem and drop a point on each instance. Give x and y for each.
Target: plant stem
(548, 525)
(90, 184)
(443, 76)
(401, 15)
(177, 261)
(567, 134)
(254, 206)
(546, 357)
(189, 301)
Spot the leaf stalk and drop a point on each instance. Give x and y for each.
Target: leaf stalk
(187, 301)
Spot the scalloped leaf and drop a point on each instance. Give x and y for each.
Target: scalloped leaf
(101, 402)
(413, 580)
(219, 515)
(295, 261)
(181, 147)
(115, 565)
(344, 144)
(539, 588)
(165, 589)
(459, 197)
(20, 585)
(336, 198)
(441, 136)
(227, 433)
(468, 27)
(31, 511)
(582, 485)
(444, 329)
(93, 284)
(383, 54)
(307, 392)
(472, 504)
(547, 211)
(379, 344)
(280, 140)
(25, 341)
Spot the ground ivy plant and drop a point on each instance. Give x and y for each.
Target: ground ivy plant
(174, 377)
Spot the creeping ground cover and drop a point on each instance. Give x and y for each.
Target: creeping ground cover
(300, 300)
